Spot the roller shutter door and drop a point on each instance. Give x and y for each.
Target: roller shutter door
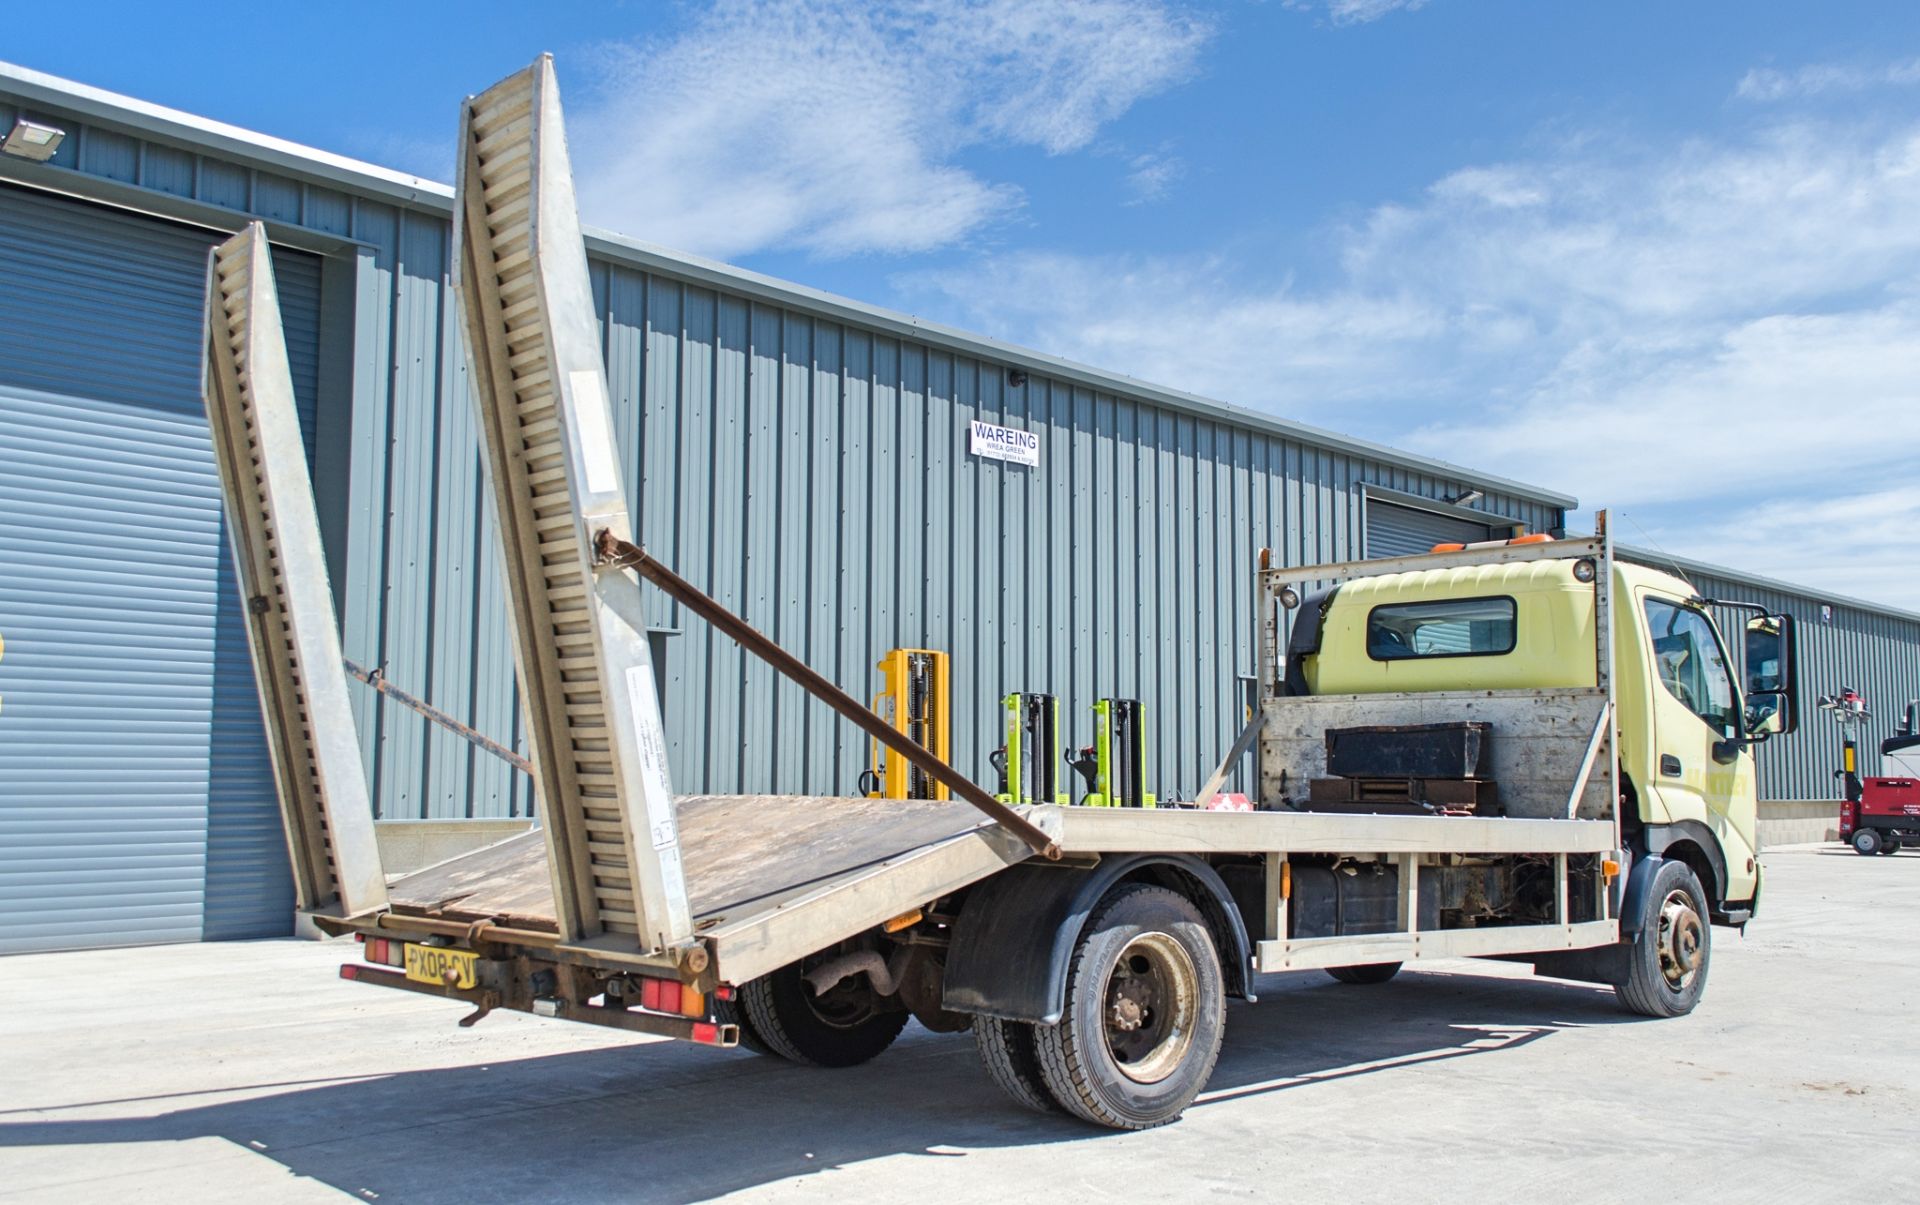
(136, 798)
(1403, 530)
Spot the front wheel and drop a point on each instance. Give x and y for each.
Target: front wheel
(1145, 1012)
(1868, 842)
(1667, 963)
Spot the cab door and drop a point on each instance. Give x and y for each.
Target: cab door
(1702, 772)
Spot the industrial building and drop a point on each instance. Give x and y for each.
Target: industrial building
(809, 459)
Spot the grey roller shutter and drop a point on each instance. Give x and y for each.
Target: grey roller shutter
(1404, 531)
(136, 798)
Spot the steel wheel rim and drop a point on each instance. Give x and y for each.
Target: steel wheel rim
(1149, 1006)
(1682, 940)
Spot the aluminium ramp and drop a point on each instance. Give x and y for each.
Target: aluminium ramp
(275, 534)
(579, 633)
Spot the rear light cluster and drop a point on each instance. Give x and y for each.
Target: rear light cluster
(669, 996)
(386, 951)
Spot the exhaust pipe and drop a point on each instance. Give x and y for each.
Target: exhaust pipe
(885, 979)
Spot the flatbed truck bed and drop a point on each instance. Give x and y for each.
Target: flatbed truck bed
(840, 865)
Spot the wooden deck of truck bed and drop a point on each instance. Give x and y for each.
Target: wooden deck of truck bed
(737, 851)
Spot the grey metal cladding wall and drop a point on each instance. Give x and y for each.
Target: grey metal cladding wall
(423, 592)
(136, 800)
(1875, 653)
(816, 476)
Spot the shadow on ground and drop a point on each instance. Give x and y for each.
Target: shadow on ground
(673, 1122)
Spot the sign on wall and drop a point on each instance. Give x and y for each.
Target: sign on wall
(1006, 443)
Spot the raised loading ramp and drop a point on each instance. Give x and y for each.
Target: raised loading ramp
(291, 629)
(579, 636)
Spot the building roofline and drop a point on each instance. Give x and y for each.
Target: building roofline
(1656, 559)
(367, 179)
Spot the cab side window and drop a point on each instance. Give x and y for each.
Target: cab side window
(1691, 664)
(1452, 627)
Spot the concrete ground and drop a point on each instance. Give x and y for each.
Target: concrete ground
(246, 1072)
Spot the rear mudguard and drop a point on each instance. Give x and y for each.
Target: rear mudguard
(1017, 932)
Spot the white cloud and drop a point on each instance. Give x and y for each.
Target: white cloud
(1713, 335)
(1769, 84)
(836, 129)
(1861, 543)
(1151, 174)
(1359, 12)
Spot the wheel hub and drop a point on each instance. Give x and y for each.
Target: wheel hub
(1128, 1007)
(1151, 998)
(1682, 939)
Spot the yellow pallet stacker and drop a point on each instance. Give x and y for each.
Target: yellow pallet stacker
(914, 698)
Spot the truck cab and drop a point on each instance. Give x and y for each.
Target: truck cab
(1687, 725)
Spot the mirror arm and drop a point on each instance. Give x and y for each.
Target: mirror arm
(1730, 605)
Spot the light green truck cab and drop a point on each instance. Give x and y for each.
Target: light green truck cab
(1685, 740)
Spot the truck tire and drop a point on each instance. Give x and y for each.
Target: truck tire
(1893, 845)
(1371, 972)
(1667, 964)
(1867, 842)
(1006, 1048)
(1145, 1012)
(844, 1027)
(730, 1012)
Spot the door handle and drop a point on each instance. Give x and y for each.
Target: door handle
(1669, 765)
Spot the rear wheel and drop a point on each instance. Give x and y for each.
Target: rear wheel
(1867, 842)
(1667, 964)
(1372, 972)
(1006, 1047)
(1145, 1012)
(842, 1027)
(1893, 845)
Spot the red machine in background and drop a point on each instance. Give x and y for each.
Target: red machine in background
(1878, 814)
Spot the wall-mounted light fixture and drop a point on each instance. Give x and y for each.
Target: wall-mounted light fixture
(31, 140)
(1016, 378)
(1466, 496)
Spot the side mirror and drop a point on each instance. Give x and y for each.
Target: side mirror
(1772, 678)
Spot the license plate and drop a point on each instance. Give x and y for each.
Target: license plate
(430, 964)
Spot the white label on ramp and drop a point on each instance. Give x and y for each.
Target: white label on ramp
(655, 786)
(597, 453)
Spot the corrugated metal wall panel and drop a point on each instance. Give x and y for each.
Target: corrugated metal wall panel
(136, 801)
(817, 476)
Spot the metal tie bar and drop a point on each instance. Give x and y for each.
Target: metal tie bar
(377, 679)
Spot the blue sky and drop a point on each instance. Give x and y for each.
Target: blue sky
(1660, 255)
